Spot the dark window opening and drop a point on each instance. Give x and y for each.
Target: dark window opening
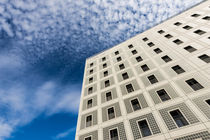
(178, 42)
(152, 79)
(105, 73)
(190, 49)
(108, 96)
(206, 18)
(111, 114)
(125, 76)
(119, 59)
(121, 66)
(116, 53)
(208, 101)
(107, 83)
(144, 128)
(104, 58)
(157, 50)
(145, 39)
(91, 71)
(91, 64)
(88, 121)
(179, 118)
(89, 103)
(205, 58)
(199, 32)
(104, 65)
(163, 95)
(161, 31)
(90, 90)
(90, 79)
(168, 36)
(194, 84)
(88, 138)
(134, 52)
(195, 15)
(130, 46)
(114, 134)
(138, 59)
(187, 27)
(135, 104)
(178, 23)
(166, 58)
(144, 67)
(178, 69)
(129, 88)
(150, 44)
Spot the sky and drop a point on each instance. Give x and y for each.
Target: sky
(43, 47)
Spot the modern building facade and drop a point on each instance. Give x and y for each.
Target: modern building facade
(154, 86)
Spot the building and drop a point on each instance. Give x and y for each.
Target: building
(154, 86)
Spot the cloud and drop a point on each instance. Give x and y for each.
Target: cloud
(65, 133)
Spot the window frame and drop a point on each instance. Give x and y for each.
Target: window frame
(86, 120)
(88, 137)
(117, 132)
(166, 93)
(106, 96)
(108, 112)
(180, 70)
(87, 103)
(137, 123)
(127, 89)
(132, 105)
(201, 86)
(155, 78)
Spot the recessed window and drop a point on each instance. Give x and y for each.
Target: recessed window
(145, 39)
(178, 118)
(130, 46)
(116, 53)
(134, 52)
(91, 71)
(111, 114)
(166, 58)
(168, 36)
(144, 128)
(90, 90)
(152, 79)
(157, 50)
(107, 83)
(91, 64)
(178, 42)
(125, 76)
(121, 66)
(108, 96)
(106, 73)
(89, 103)
(135, 104)
(206, 18)
(129, 88)
(190, 49)
(119, 59)
(161, 31)
(194, 84)
(208, 101)
(88, 120)
(187, 27)
(163, 95)
(205, 58)
(178, 23)
(104, 58)
(88, 138)
(138, 59)
(144, 67)
(178, 69)
(199, 32)
(90, 80)
(114, 134)
(104, 65)
(195, 15)
(150, 44)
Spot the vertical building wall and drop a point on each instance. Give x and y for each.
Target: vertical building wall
(173, 57)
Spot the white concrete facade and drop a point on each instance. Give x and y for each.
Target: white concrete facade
(177, 57)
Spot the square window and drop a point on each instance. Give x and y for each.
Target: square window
(187, 27)
(206, 18)
(157, 50)
(178, 69)
(104, 58)
(114, 134)
(178, 23)
(90, 80)
(134, 52)
(152, 79)
(89, 103)
(111, 114)
(107, 83)
(119, 59)
(116, 53)
(150, 44)
(161, 31)
(129, 88)
(205, 58)
(91, 71)
(145, 39)
(90, 90)
(163, 95)
(194, 84)
(130, 46)
(208, 101)
(144, 128)
(104, 65)
(168, 36)
(125, 76)
(190, 49)
(178, 42)
(199, 32)
(144, 67)
(139, 59)
(88, 138)
(166, 58)
(178, 118)
(89, 121)
(135, 104)
(108, 96)
(195, 15)
(105, 73)
(121, 66)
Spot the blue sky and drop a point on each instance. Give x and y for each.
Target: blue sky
(43, 47)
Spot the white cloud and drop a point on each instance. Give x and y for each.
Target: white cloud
(64, 134)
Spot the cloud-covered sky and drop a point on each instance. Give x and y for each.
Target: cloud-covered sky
(43, 46)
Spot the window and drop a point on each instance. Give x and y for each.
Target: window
(89, 103)
(144, 67)
(206, 18)
(91, 71)
(90, 90)
(208, 101)
(145, 39)
(205, 58)
(125, 76)
(199, 32)
(105, 73)
(144, 128)
(90, 79)
(88, 120)
(178, 42)
(161, 31)
(91, 64)
(114, 134)
(134, 52)
(107, 83)
(108, 96)
(190, 49)
(104, 65)
(119, 59)
(187, 27)
(135, 104)
(195, 15)
(177, 23)
(130, 46)
(116, 53)
(163, 95)
(166, 58)
(178, 69)
(150, 44)
(178, 118)
(194, 84)
(168, 36)
(152, 79)
(157, 50)
(129, 88)
(138, 59)
(104, 58)
(88, 138)
(111, 114)
(121, 66)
